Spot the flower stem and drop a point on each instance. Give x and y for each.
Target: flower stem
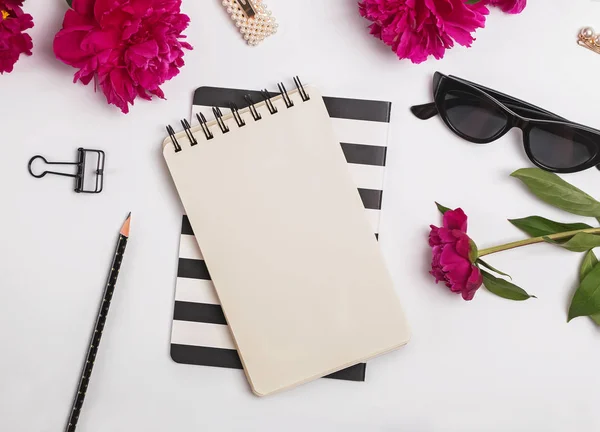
(535, 240)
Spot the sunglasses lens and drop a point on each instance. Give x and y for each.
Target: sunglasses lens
(562, 147)
(473, 115)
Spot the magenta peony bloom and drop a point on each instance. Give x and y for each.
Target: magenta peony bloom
(130, 47)
(416, 29)
(454, 255)
(509, 6)
(13, 39)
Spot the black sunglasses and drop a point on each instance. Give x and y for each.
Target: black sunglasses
(482, 115)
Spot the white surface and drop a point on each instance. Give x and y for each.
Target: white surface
(488, 365)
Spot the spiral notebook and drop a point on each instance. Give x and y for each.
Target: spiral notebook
(199, 333)
(282, 229)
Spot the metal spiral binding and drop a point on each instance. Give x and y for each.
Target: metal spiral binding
(255, 114)
(268, 102)
(202, 120)
(219, 117)
(285, 95)
(305, 96)
(236, 114)
(173, 139)
(188, 131)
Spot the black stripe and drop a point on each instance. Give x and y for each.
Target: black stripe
(186, 227)
(222, 97)
(228, 358)
(353, 373)
(377, 237)
(358, 109)
(192, 269)
(205, 356)
(199, 312)
(352, 109)
(371, 198)
(364, 154)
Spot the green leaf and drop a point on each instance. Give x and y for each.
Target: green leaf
(489, 267)
(473, 252)
(70, 3)
(442, 208)
(473, 1)
(504, 288)
(589, 262)
(537, 226)
(581, 242)
(586, 300)
(553, 190)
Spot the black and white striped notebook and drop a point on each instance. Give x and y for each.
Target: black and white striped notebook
(200, 335)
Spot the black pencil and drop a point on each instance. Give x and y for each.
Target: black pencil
(98, 328)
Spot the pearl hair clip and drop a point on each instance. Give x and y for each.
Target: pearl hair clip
(252, 18)
(589, 39)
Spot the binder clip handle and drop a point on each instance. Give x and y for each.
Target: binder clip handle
(50, 163)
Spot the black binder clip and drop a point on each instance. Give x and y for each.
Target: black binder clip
(79, 175)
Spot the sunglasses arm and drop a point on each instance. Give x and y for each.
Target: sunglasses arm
(425, 111)
(513, 102)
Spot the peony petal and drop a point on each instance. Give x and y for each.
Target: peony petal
(22, 43)
(436, 269)
(141, 92)
(8, 58)
(146, 49)
(473, 284)
(510, 6)
(463, 37)
(434, 236)
(463, 245)
(98, 40)
(13, 3)
(476, 278)
(448, 236)
(457, 269)
(141, 7)
(455, 220)
(450, 257)
(85, 8)
(83, 75)
(158, 92)
(102, 7)
(119, 89)
(68, 47)
(73, 19)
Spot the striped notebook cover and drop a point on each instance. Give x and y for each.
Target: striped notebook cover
(199, 334)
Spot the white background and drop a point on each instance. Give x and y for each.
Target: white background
(487, 365)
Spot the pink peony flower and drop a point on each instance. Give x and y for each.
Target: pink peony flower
(509, 6)
(13, 39)
(130, 47)
(454, 255)
(416, 29)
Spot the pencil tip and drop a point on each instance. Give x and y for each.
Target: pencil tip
(125, 227)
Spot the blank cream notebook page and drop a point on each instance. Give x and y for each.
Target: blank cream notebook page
(282, 229)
